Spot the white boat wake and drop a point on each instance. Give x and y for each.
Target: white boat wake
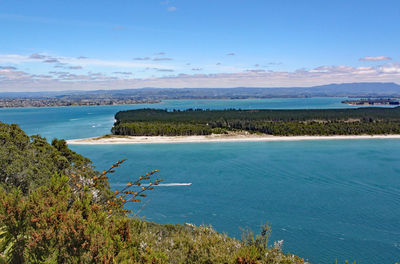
(175, 184)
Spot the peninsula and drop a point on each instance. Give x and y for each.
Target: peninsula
(122, 140)
(162, 126)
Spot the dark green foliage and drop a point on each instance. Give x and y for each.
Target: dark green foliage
(204, 116)
(30, 162)
(45, 227)
(281, 128)
(154, 122)
(49, 213)
(161, 129)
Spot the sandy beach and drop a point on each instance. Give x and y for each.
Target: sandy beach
(211, 138)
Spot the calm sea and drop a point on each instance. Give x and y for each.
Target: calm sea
(325, 199)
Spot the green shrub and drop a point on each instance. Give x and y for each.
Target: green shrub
(55, 208)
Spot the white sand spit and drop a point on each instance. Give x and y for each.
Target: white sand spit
(211, 138)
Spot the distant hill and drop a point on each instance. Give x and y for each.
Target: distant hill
(330, 90)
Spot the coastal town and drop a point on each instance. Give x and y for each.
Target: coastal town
(51, 102)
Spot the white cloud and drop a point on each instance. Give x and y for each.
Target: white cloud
(377, 58)
(51, 60)
(80, 61)
(163, 70)
(37, 56)
(15, 58)
(124, 73)
(142, 58)
(390, 68)
(13, 79)
(75, 67)
(11, 68)
(11, 75)
(162, 59)
(255, 70)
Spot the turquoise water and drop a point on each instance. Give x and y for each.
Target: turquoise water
(92, 121)
(325, 199)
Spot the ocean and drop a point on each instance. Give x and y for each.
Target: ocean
(326, 199)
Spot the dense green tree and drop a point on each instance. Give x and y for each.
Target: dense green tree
(361, 121)
(29, 162)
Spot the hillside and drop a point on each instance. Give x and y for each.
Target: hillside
(55, 208)
(370, 89)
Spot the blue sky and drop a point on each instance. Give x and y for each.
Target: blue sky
(56, 45)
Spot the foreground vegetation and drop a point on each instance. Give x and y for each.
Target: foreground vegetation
(55, 208)
(361, 121)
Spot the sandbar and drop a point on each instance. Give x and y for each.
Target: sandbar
(111, 139)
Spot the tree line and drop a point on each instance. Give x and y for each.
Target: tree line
(155, 122)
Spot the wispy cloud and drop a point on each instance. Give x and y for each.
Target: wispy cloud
(142, 58)
(255, 70)
(58, 72)
(81, 61)
(51, 60)
(42, 77)
(377, 58)
(162, 59)
(13, 76)
(120, 74)
(10, 68)
(37, 56)
(164, 70)
(11, 79)
(172, 9)
(390, 68)
(60, 65)
(75, 67)
(124, 73)
(274, 63)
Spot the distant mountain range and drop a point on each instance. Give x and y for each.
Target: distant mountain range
(330, 90)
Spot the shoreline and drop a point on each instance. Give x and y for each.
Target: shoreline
(118, 140)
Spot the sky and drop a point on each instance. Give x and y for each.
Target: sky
(53, 45)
